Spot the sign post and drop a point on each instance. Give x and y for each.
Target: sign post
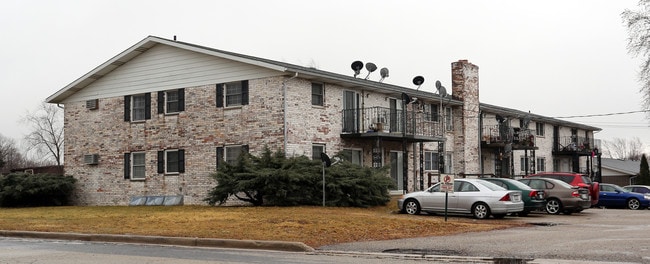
(447, 186)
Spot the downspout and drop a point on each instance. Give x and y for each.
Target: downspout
(284, 109)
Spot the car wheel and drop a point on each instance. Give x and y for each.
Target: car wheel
(411, 207)
(633, 204)
(480, 211)
(553, 206)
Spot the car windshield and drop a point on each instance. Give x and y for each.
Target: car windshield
(490, 185)
(619, 188)
(520, 185)
(586, 179)
(566, 185)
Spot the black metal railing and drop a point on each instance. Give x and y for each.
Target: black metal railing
(574, 143)
(393, 121)
(507, 134)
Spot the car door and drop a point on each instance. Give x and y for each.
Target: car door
(433, 199)
(465, 194)
(609, 196)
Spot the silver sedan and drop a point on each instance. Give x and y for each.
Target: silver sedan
(470, 196)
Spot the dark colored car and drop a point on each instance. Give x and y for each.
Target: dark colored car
(575, 179)
(612, 195)
(561, 197)
(533, 199)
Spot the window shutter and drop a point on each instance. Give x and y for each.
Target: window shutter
(127, 166)
(181, 160)
(161, 102)
(219, 156)
(220, 95)
(244, 92)
(127, 108)
(161, 161)
(181, 100)
(147, 106)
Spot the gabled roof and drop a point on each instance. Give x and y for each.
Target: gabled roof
(286, 68)
(538, 118)
(629, 167)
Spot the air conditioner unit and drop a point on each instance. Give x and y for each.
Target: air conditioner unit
(91, 159)
(91, 104)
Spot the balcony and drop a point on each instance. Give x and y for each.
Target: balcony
(574, 145)
(500, 135)
(391, 124)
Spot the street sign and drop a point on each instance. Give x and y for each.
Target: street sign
(447, 184)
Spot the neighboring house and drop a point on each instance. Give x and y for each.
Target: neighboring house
(160, 117)
(40, 170)
(620, 172)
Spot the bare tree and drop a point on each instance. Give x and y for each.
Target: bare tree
(11, 156)
(46, 138)
(622, 149)
(638, 26)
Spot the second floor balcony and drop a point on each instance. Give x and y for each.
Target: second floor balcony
(500, 135)
(391, 123)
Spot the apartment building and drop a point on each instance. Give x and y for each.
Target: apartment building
(158, 118)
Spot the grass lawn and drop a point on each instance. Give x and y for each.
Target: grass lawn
(312, 225)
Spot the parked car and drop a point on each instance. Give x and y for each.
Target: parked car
(470, 196)
(533, 199)
(637, 188)
(575, 179)
(612, 195)
(561, 197)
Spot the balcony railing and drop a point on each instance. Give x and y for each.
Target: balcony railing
(574, 144)
(391, 121)
(505, 134)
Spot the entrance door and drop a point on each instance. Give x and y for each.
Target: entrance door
(397, 169)
(350, 112)
(395, 116)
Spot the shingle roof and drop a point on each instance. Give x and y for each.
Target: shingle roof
(630, 167)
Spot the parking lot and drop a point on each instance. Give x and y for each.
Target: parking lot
(608, 235)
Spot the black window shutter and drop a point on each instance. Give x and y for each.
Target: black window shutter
(161, 102)
(127, 108)
(219, 156)
(181, 160)
(127, 166)
(181, 100)
(244, 92)
(220, 95)
(147, 106)
(161, 161)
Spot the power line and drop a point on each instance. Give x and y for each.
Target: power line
(610, 114)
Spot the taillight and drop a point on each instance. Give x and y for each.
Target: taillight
(575, 194)
(505, 198)
(532, 194)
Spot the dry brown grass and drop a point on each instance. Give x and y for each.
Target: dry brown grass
(314, 226)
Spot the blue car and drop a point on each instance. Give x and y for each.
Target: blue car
(612, 195)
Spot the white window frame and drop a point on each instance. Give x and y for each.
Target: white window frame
(169, 101)
(231, 158)
(449, 120)
(133, 175)
(428, 155)
(321, 94)
(313, 153)
(541, 164)
(355, 152)
(539, 129)
(167, 161)
(449, 159)
(140, 109)
(230, 97)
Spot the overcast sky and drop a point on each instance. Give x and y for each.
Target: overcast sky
(555, 58)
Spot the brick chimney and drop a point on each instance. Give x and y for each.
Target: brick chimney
(464, 77)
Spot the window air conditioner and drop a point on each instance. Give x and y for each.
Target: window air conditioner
(91, 159)
(91, 104)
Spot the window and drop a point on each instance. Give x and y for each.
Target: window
(230, 154)
(171, 161)
(541, 164)
(539, 129)
(353, 155)
(171, 102)
(448, 163)
(449, 123)
(232, 94)
(317, 94)
(523, 164)
(431, 112)
(137, 107)
(134, 166)
(316, 150)
(431, 160)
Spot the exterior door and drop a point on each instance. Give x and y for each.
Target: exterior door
(395, 115)
(350, 112)
(397, 169)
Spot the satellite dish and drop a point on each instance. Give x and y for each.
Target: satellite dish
(357, 66)
(384, 73)
(418, 80)
(371, 67)
(406, 98)
(326, 159)
(438, 84)
(442, 92)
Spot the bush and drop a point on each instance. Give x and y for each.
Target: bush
(273, 179)
(35, 189)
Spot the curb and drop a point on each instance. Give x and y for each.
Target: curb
(162, 240)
